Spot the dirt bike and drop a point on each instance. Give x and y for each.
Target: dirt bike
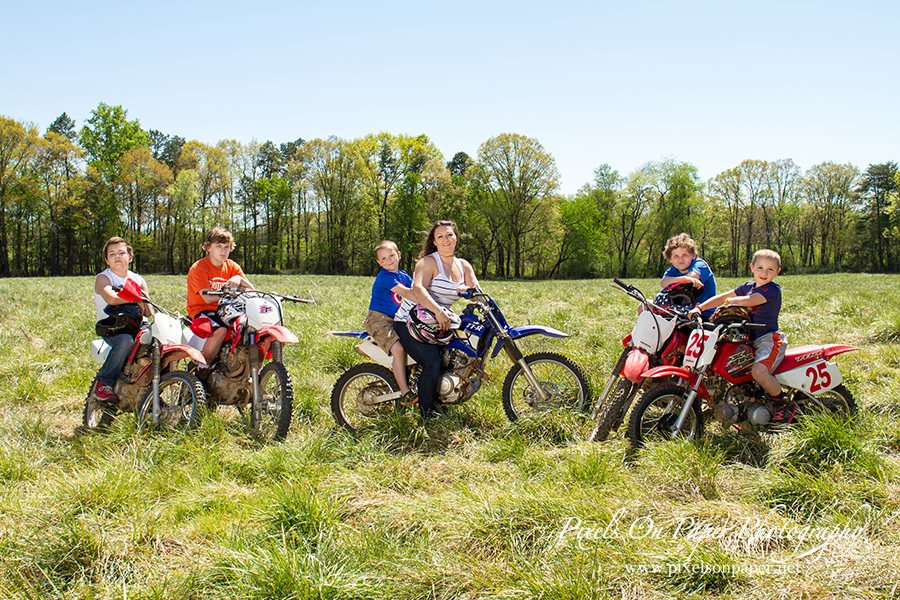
(150, 384)
(240, 376)
(716, 369)
(655, 340)
(536, 382)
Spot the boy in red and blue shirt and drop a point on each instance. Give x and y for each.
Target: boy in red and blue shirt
(391, 286)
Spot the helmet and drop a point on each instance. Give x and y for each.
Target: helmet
(731, 313)
(677, 296)
(123, 318)
(230, 308)
(423, 326)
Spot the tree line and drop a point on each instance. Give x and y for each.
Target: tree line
(320, 206)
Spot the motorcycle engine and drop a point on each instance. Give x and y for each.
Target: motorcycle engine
(234, 364)
(222, 389)
(456, 367)
(730, 409)
(741, 404)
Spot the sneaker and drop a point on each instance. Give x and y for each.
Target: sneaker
(105, 395)
(409, 398)
(783, 412)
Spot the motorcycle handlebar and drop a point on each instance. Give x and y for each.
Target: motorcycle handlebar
(233, 291)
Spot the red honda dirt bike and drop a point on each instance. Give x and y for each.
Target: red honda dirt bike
(655, 340)
(240, 375)
(716, 369)
(150, 384)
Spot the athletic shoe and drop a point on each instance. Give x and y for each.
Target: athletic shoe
(784, 412)
(409, 398)
(105, 395)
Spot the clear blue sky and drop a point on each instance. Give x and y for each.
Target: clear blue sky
(623, 83)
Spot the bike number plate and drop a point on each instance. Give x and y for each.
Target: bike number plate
(701, 348)
(814, 378)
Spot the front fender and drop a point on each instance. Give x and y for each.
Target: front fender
(520, 332)
(667, 371)
(280, 333)
(177, 349)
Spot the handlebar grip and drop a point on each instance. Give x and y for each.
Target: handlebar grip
(620, 283)
(756, 326)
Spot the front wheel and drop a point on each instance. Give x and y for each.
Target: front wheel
(181, 398)
(612, 413)
(656, 413)
(557, 375)
(276, 402)
(358, 395)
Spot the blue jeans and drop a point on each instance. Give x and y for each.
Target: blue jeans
(119, 348)
(429, 358)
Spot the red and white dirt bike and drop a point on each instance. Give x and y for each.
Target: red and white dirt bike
(150, 384)
(240, 375)
(655, 340)
(716, 370)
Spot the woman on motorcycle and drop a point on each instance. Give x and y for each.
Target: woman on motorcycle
(438, 279)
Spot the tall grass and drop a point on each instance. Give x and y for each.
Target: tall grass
(470, 507)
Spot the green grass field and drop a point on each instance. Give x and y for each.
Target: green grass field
(473, 507)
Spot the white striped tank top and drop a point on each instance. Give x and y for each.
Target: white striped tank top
(442, 289)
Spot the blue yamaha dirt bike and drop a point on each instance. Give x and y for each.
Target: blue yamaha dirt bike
(536, 382)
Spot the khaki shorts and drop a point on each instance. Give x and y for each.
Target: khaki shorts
(770, 349)
(381, 328)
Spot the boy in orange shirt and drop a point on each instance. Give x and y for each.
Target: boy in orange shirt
(213, 272)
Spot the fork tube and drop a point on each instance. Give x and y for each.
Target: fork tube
(617, 371)
(254, 382)
(516, 356)
(682, 416)
(155, 360)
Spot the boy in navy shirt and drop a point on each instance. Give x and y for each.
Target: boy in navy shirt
(687, 267)
(763, 297)
(390, 287)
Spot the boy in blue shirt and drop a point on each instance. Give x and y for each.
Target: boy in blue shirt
(687, 267)
(763, 297)
(391, 286)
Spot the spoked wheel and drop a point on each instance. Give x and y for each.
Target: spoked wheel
(357, 395)
(96, 417)
(612, 412)
(557, 375)
(838, 401)
(276, 406)
(181, 398)
(657, 412)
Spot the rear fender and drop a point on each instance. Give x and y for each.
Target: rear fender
(830, 350)
(371, 350)
(353, 334)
